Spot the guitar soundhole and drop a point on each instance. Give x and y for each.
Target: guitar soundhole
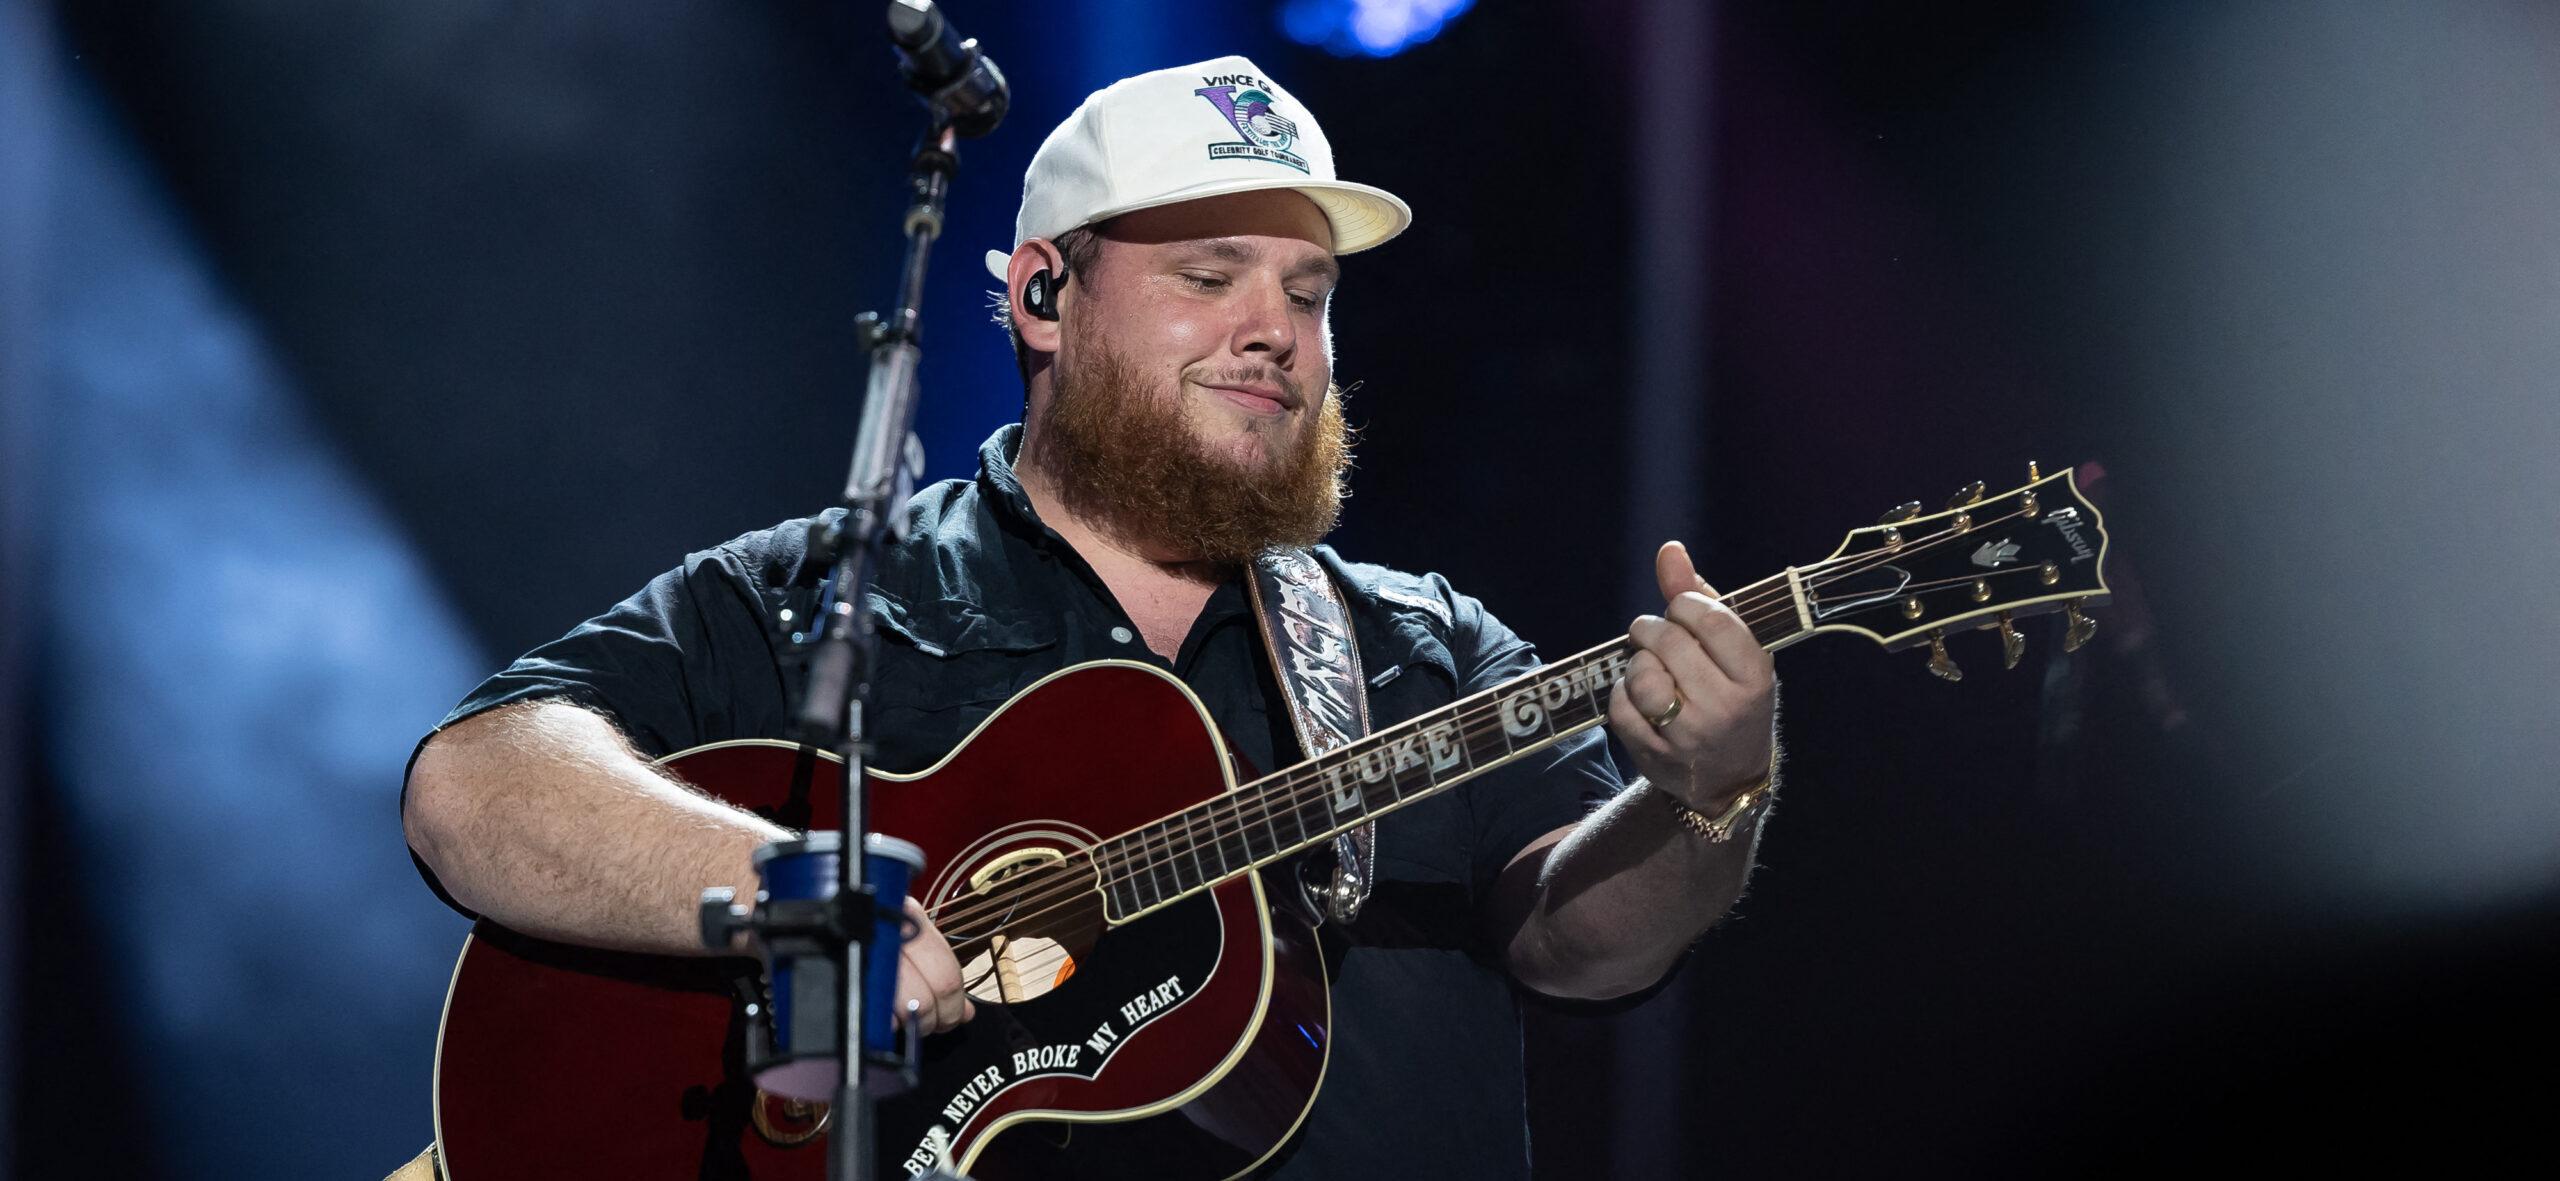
(1025, 920)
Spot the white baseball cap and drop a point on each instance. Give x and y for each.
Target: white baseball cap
(1202, 130)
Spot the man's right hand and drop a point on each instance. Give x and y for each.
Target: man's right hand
(929, 976)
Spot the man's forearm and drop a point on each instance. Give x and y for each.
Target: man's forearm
(541, 817)
(1622, 896)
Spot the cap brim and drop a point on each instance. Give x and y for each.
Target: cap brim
(1362, 215)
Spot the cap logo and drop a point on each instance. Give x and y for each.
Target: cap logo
(1245, 102)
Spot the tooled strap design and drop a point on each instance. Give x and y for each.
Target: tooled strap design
(1306, 629)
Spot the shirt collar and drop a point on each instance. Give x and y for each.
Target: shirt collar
(997, 479)
(1001, 488)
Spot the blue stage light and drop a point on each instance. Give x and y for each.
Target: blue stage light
(242, 647)
(1367, 28)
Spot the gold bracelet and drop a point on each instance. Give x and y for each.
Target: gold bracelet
(1720, 829)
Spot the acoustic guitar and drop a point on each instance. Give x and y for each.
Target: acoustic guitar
(1096, 858)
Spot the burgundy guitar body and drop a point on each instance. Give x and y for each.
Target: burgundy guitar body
(1189, 1044)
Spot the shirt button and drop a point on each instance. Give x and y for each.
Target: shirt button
(1122, 634)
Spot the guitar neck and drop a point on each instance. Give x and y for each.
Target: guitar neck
(1288, 812)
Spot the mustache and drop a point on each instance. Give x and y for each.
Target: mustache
(1253, 375)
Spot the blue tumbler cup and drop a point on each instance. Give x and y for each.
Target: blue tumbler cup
(802, 1064)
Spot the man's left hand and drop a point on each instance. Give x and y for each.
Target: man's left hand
(1700, 697)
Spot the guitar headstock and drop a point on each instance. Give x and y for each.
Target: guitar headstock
(1982, 562)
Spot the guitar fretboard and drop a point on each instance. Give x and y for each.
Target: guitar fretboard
(1289, 811)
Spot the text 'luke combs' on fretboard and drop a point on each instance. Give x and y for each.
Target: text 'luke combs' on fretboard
(1283, 813)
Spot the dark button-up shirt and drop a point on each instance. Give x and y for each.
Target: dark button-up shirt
(981, 600)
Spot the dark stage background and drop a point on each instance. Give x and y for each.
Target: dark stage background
(350, 348)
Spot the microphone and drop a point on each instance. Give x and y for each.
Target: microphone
(949, 72)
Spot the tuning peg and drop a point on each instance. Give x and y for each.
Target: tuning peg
(2082, 627)
(1900, 513)
(1939, 662)
(1968, 494)
(2012, 645)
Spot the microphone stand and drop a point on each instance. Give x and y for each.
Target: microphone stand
(887, 458)
(816, 942)
(823, 943)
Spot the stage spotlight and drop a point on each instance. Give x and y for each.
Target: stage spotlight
(1367, 28)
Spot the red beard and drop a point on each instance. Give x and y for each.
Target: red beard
(1127, 460)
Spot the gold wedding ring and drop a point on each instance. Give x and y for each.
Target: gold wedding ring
(1662, 719)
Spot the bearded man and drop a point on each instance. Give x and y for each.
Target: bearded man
(1168, 294)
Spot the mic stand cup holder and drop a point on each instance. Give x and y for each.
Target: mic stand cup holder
(800, 924)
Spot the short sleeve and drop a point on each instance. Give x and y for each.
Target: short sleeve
(1515, 805)
(689, 659)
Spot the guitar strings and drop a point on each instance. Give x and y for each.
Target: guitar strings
(1264, 797)
(1126, 863)
(1751, 600)
(1479, 718)
(1044, 897)
(1287, 790)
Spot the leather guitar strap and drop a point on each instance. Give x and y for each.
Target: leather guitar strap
(1306, 630)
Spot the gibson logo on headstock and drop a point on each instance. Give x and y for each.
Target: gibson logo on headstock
(2068, 521)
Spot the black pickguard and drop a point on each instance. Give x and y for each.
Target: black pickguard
(1127, 966)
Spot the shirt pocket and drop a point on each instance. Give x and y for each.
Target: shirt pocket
(943, 667)
(1426, 841)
